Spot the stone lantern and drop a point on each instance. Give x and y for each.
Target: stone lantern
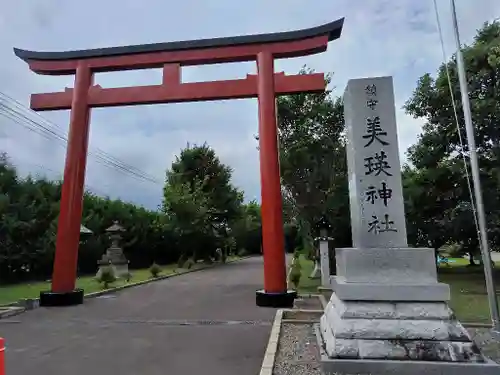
(322, 262)
(114, 256)
(84, 233)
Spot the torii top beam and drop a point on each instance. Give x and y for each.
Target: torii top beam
(191, 52)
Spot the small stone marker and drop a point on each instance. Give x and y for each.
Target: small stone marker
(324, 258)
(376, 194)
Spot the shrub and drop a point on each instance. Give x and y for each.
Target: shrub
(155, 270)
(223, 257)
(297, 252)
(128, 276)
(106, 276)
(295, 275)
(242, 252)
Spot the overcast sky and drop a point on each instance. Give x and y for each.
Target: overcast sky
(380, 37)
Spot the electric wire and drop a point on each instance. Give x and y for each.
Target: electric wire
(455, 112)
(51, 135)
(15, 111)
(58, 175)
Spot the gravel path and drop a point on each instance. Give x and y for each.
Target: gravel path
(298, 352)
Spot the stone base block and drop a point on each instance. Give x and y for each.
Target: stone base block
(358, 291)
(387, 265)
(388, 310)
(276, 300)
(388, 334)
(357, 365)
(74, 297)
(397, 331)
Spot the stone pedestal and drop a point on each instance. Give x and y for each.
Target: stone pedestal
(385, 274)
(388, 314)
(399, 313)
(114, 258)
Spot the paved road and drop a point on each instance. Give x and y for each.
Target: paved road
(158, 328)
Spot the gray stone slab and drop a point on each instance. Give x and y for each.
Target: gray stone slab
(400, 367)
(389, 292)
(423, 310)
(392, 329)
(387, 265)
(389, 310)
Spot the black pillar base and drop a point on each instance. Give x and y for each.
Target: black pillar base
(74, 297)
(276, 300)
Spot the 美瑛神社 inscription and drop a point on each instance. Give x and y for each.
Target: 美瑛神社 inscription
(377, 214)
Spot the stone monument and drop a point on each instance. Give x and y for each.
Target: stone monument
(388, 314)
(114, 256)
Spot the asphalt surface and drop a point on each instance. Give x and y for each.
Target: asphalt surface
(204, 322)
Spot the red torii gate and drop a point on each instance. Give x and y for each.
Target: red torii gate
(171, 56)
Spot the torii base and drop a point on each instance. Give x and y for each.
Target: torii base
(275, 300)
(53, 299)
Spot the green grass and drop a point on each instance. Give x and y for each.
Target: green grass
(468, 291)
(456, 262)
(306, 284)
(13, 293)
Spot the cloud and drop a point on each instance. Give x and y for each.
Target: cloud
(380, 37)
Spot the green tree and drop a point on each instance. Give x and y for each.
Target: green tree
(200, 201)
(247, 230)
(313, 163)
(29, 208)
(437, 155)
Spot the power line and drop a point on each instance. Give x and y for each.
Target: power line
(50, 134)
(58, 175)
(55, 130)
(455, 113)
(19, 114)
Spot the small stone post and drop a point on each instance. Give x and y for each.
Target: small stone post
(316, 272)
(323, 263)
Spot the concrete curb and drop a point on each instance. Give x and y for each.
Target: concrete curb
(308, 295)
(35, 302)
(272, 346)
(7, 312)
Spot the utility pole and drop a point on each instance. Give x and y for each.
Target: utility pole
(485, 251)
